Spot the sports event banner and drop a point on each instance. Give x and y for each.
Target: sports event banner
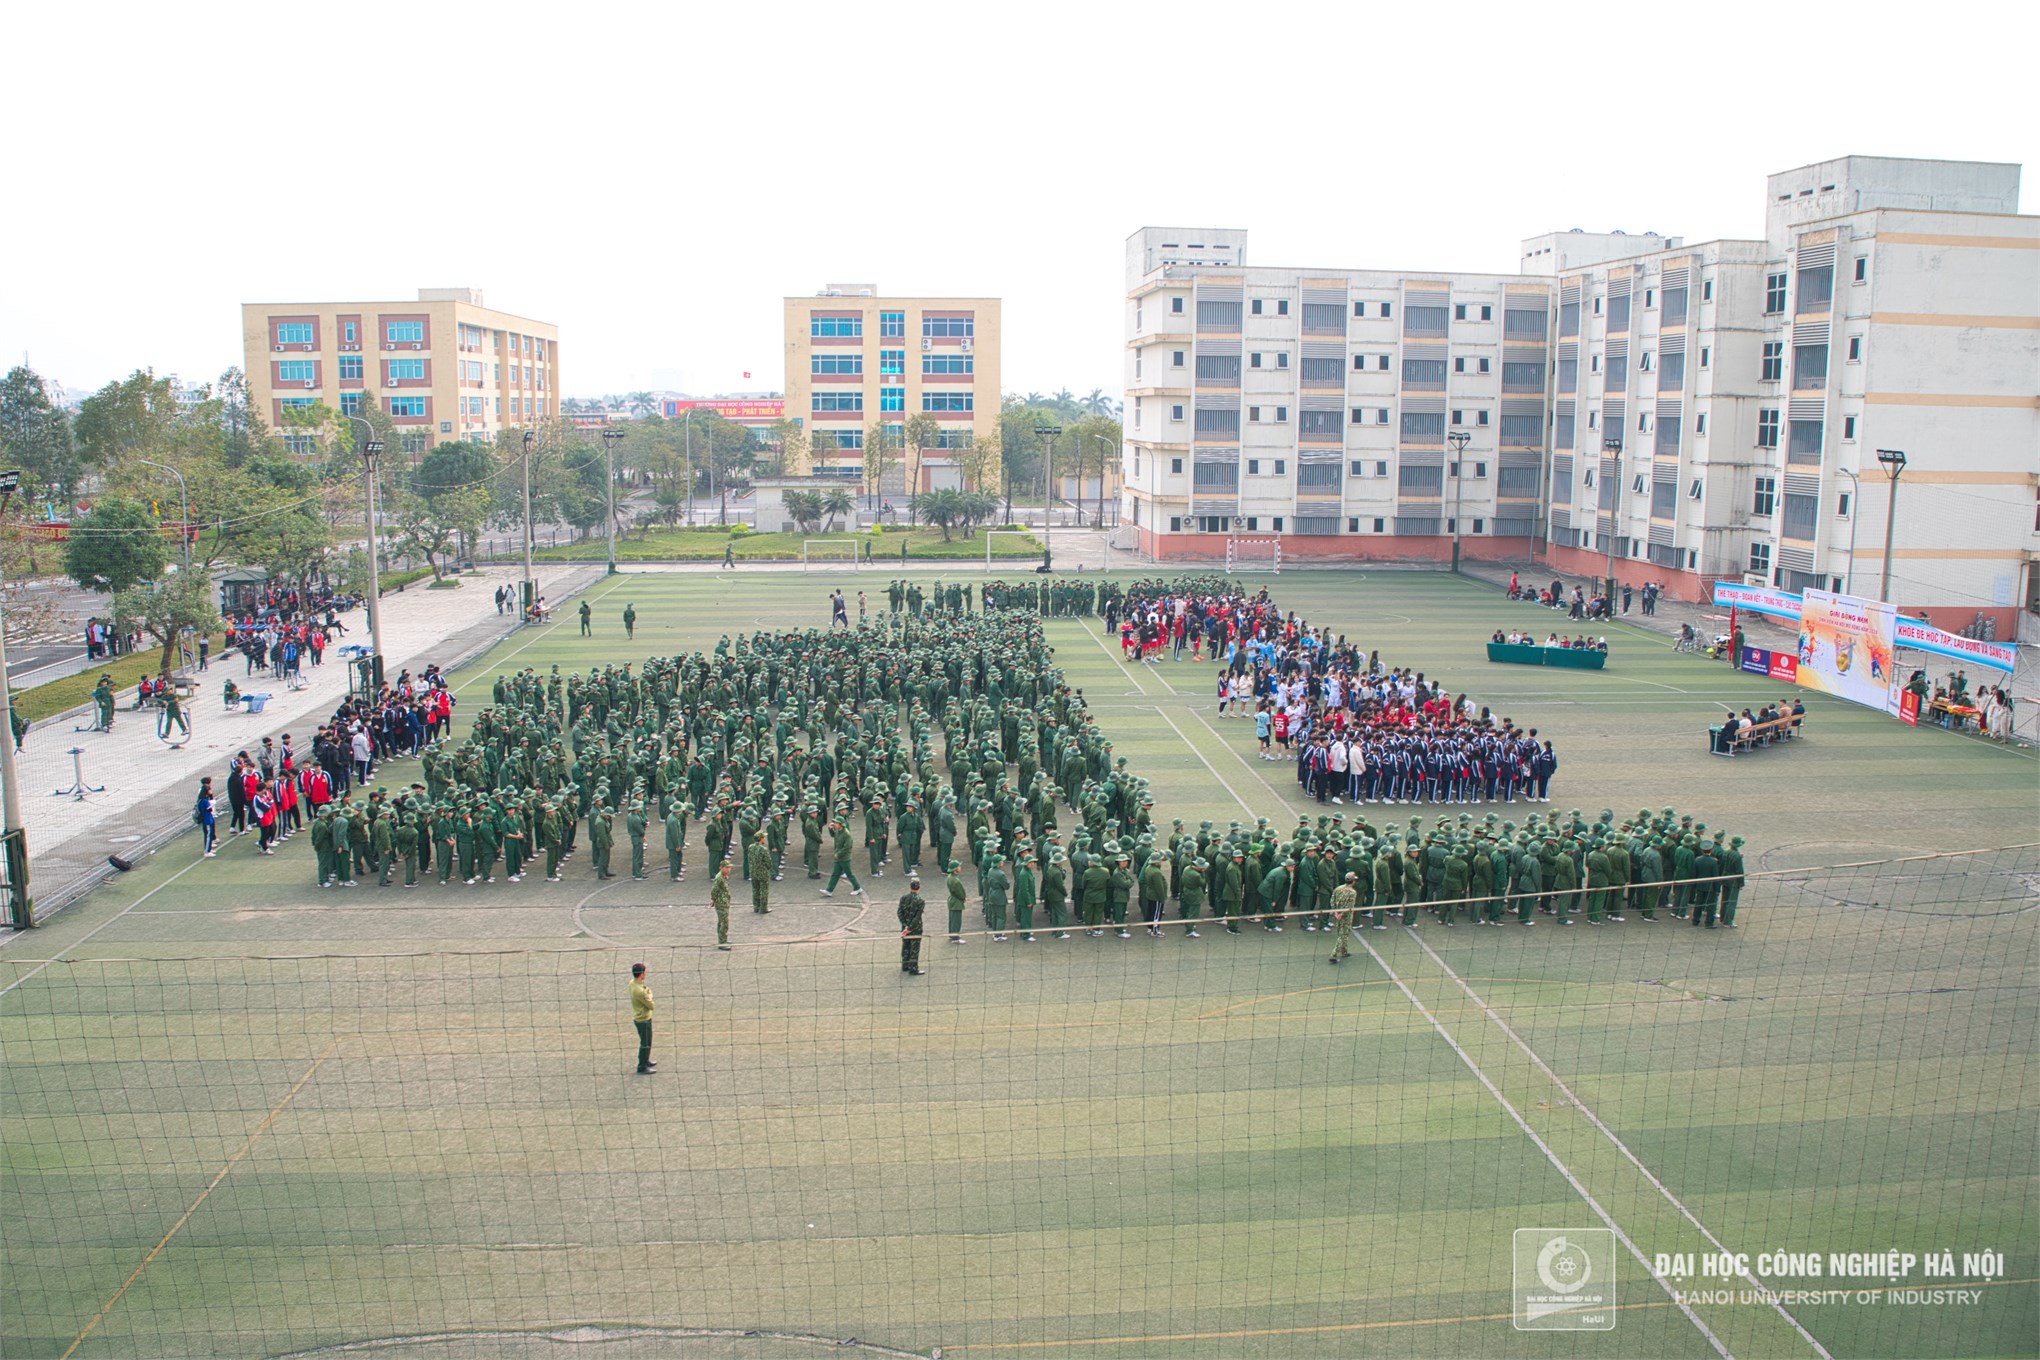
(1771, 665)
(1779, 604)
(1845, 648)
(1921, 637)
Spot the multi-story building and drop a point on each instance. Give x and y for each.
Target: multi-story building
(1708, 411)
(1329, 405)
(1720, 409)
(443, 368)
(855, 359)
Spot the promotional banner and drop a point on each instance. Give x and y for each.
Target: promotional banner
(1909, 708)
(1845, 648)
(1921, 637)
(1779, 604)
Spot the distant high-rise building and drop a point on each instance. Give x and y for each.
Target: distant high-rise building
(855, 359)
(444, 368)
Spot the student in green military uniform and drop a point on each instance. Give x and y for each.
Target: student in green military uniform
(839, 868)
(1055, 892)
(601, 836)
(1154, 894)
(1732, 884)
(957, 899)
(407, 848)
(382, 847)
(1023, 896)
(634, 827)
(1706, 891)
(1190, 894)
(911, 910)
(993, 888)
(1345, 898)
(719, 898)
(586, 614)
(1097, 886)
(630, 621)
(676, 841)
(759, 862)
(1121, 879)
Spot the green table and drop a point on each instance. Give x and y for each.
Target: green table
(1576, 658)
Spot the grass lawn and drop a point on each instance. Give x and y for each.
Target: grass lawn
(701, 545)
(244, 1116)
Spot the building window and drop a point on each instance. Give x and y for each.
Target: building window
(1643, 364)
(1213, 315)
(350, 403)
(1480, 418)
(1594, 365)
(1223, 369)
(404, 332)
(1855, 349)
(893, 363)
(1359, 363)
(1848, 427)
(1798, 517)
(948, 401)
(1359, 414)
(405, 370)
(1257, 306)
(1809, 367)
(1774, 294)
(1176, 359)
(1459, 311)
(1378, 522)
(1774, 361)
(1175, 306)
(819, 402)
(350, 332)
(1706, 356)
(1766, 501)
(1282, 359)
(1707, 290)
(956, 326)
(293, 332)
(296, 370)
(1277, 524)
(1862, 268)
(1175, 524)
(1767, 427)
(1760, 559)
(835, 326)
(940, 364)
(1323, 371)
(1176, 413)
(1253, 415)
(1254, 359)
(1254, 464)
(1353, 523)
(1700, 423)
(835, 364)
(1381, 415)
(1387, 310)
(1842, 507)
(1282, 306)
(1816, 289)
(892, 325)
(1176, 465)
(1222, 422)
(892, 398)
(407, 406)
(350, 368)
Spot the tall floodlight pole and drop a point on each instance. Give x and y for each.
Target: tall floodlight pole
(1048, 434)
(687, 452)
(530, 598)
(609, 467)
(1893, 462)
(372, 449)
(10, 784)
(1612, 446)
(1458, 440)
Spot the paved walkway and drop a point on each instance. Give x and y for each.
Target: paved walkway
(148, 785)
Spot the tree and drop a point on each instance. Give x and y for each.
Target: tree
(35, 436)
(880, 444)
(164, 613)
(923, 432)
(837, 503)
(433, 527)
(1097, 403)
(135, 415)
(823, 446)
(642, 403)
(116, 547)
(978, 507)
(806, 509)
(942, 508)
(790, 439)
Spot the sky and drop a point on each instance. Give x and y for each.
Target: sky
(654, 179)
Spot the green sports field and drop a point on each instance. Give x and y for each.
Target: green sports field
(242, 1116)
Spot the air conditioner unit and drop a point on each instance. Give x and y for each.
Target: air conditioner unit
(310, 384)
(394, 382)
(416, 345)
(279, 349)
(308, 349)
(389, 346)
(966, 342)
(1755, 579)
(926, 343)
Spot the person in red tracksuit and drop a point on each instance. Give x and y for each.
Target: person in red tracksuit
(288, 818)
(262, 807)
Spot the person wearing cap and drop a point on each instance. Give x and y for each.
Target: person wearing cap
(1121, 891)
(1731, 860)
(641, 1006)
(839, 869)
(1097, 886)
(676, 842)
(1706, 887)
(1154, 894)
(1345, 898)
(993, 889)
(1023, 895)
(758, 860)
(910, 912)
(1190, 894)
(719, 898)
(406, 842)
(958, 896)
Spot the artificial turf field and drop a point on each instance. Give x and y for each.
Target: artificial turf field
(245, 1117)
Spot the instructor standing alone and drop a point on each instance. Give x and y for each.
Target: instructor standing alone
(641, 1016)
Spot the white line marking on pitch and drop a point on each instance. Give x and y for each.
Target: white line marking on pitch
(1609, 1134)
(1200, 756)
(1550, 1156)
(58, 957)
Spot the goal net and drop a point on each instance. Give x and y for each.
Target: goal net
(1253, 554)
(1010, 563)
(828, 554)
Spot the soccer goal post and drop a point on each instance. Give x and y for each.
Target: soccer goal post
(819, 554)
(1253, 554)
(991, 534)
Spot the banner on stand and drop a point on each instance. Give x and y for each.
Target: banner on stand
(1922, 637)
(1845, 648)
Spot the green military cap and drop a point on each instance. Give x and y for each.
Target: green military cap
(1735, 840)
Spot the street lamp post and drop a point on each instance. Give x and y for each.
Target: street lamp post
(16, 848)
(530, 597)
(1855, 509)
(1612, 446)
(1893, 462)
(183, 492)
(371, 449)
(609, 467)
(1048, 434)
(687, 452)
(1458, 439)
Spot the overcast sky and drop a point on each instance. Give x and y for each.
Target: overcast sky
(654, 179)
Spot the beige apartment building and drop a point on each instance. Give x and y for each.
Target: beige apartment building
(444, 367)
(854, 359)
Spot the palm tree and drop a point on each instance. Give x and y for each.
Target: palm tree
(641, 403)
(1097, 403)
(1033, 399)
(942, 508)
(806, 509)
(838, 502)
